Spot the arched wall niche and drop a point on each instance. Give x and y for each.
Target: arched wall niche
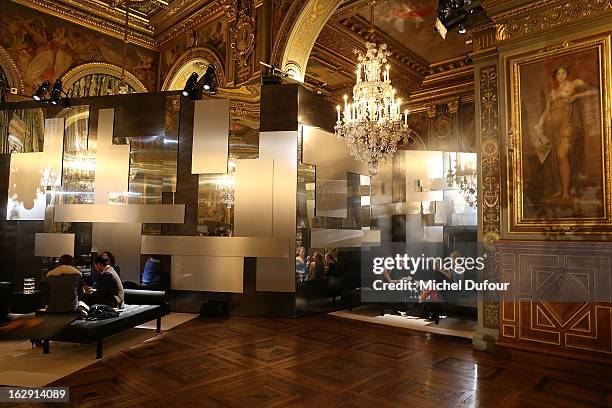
(11, 71)
(194, 60)
(76, 74)
(299, 32)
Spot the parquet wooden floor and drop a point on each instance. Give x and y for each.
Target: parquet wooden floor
(320, 362)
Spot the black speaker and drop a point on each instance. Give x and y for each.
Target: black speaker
(214, 308)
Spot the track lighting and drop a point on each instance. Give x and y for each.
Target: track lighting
(56, 92)
(208, 82)
(42, 90)
(190, 84)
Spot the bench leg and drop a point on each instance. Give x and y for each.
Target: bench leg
(158, 328)
(99, 349)
(46, 346)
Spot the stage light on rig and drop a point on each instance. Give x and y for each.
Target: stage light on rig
(42, 90)
(208, 83)
(190, 84)
(56, 92)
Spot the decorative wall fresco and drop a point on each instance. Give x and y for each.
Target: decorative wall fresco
(46, 47)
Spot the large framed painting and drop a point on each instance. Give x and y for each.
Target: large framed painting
(559, 146)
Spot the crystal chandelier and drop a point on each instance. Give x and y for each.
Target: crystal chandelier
(464, 177)
(372, 124)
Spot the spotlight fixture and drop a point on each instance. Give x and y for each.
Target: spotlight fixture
(56, 92)
(42, 90)
(208, 82)
(455, 13)
(190, 84)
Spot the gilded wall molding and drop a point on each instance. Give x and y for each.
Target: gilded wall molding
(544, 15)
(303, 35)
(12, 71)
(490, 197)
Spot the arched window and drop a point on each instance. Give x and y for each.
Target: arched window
(100, 79)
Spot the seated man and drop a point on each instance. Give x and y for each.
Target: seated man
(109, 290)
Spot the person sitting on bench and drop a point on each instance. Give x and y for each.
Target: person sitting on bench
(109, 290)
(64, 286)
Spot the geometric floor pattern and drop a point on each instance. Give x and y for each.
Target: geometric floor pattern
(321, 361)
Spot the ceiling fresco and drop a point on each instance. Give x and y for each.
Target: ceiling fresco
(411, 23)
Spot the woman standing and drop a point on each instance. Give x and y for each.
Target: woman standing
(559, 129)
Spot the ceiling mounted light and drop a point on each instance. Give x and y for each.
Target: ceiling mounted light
(190, 84)
(56, 92)
(462, 29)
(42, 90)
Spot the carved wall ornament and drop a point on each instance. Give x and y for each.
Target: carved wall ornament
(243, 38)
(431, 111)
(442, 123)
(545, 15)
(490, 198)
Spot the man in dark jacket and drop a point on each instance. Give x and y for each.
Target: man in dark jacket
(109, 290)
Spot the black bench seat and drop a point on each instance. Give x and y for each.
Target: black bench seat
(133, 313)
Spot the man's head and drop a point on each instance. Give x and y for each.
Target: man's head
(101, 262)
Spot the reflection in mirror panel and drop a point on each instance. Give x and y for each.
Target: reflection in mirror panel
(25, 131)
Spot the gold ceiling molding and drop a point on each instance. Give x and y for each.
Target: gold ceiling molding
(80, 15)
(12, 71)
(359, 29)
(78, 72)
(544, 15)
(209, 12)
(163, 26)
(420, 99)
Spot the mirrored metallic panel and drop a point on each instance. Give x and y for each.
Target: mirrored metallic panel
(22, 130)
(112, 161)
(333, 162)
(123, 240)
(32, 173)
(278, 275)
(253, 198)
(207, 273)
(128, 213)
(210, 136)
(342, 238)
(216, 246)
(282, 148)
(53, 245)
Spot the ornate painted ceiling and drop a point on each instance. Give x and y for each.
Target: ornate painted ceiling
(407, 26)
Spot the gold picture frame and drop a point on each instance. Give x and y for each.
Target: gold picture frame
(559, 143)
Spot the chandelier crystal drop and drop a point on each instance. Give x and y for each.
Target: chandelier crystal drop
(372, 124)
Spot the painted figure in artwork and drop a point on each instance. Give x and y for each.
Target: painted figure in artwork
(560, 133)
